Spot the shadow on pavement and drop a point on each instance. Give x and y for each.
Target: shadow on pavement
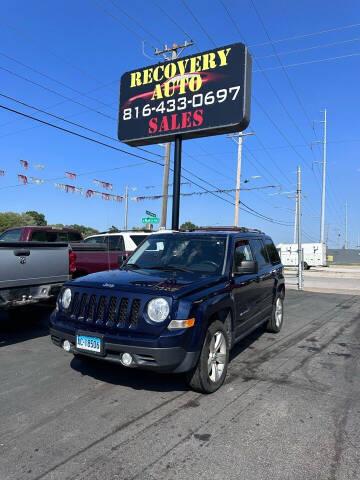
(19, 327)
(128, 377)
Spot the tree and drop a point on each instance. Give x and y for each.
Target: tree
(85, 231)
(188, 226)
(113, 229)
(13, 219)
(38, 217)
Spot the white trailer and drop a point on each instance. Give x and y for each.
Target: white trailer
(314, 254)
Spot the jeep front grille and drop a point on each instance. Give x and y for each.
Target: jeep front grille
(114, 312)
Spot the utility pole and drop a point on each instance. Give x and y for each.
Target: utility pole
(323, 191)
(295, 220)
(175, 52)
(298, 204)
(126, 206)
(165, 189)
(239, 137)
(346, 225)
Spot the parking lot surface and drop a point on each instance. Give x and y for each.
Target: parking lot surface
(289, 408)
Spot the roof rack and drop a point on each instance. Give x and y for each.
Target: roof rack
(227, 229)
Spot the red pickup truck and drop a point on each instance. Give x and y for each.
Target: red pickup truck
(41, 234)
(105, 251)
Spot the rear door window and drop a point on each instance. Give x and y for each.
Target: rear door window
(137, 239)
(272, 252)
(93, 240)
(116, 242)
(38, 236)
(260, 252)
(75, 237)
(11, 236)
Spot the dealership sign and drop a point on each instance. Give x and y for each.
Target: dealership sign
(194, 96)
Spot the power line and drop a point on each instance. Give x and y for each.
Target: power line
(133, 155)
(57, 81)
(300, 50)
(56, 93)
(135, 21)
(68, 121)
(309, 62)
(197, 22)
(59, 57)
(134, 32)
(335, 29)
(172, 20)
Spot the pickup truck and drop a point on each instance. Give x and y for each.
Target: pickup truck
(32, 272)
(179, 304)
(40, 234)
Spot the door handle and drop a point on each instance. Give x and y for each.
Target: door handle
(21, 253)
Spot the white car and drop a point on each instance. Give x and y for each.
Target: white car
(126, 241)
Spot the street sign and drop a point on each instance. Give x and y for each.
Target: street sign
(203, 94)
(150, 214)
(150, 220)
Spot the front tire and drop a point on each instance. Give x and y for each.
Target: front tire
(210, 371)
(277, 316)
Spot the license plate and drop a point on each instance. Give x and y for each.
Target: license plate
(90, 344)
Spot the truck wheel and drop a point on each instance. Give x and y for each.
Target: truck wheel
(277, 316)
(210, 371)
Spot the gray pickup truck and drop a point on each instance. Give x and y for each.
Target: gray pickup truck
(32, 272)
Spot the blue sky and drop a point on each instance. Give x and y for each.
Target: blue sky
(80, 45)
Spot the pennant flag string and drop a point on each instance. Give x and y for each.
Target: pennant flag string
(24, 164)
(101, 183)
(69, 188)
(104, 195)
(71, 175)
(23, 178)
(36, 180)
(39, 166)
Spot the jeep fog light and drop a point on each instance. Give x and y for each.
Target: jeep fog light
(181, 323)
(126, 359)
(66, 345)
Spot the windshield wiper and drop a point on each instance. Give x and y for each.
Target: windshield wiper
(135, 265)
(171, 267)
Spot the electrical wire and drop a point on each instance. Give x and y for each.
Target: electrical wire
(59, 57)
(300, 50)
(197, 22)
(134, 32)
(58, 81)
(69, 99)
(308, 62)
(124, 12)
(172, 19)
(335, 29)
(68, 121)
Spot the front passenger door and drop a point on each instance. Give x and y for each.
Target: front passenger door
(244, 289)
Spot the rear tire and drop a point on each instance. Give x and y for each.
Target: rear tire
(210, 371)
(277, 315)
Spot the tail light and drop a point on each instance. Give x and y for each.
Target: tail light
(72, 264)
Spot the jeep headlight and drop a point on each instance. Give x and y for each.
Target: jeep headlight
(158, 310)
(66, 298)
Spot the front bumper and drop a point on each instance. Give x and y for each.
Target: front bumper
(174, 359)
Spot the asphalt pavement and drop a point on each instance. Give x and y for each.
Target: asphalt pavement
(289, 408)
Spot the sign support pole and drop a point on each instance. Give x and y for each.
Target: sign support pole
(176, 183)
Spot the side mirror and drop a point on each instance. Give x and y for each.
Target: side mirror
(121, 259)
(246, 267)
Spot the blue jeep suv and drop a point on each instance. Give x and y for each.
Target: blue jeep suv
(178, 304)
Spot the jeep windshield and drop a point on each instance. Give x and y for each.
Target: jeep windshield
(180, 252)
